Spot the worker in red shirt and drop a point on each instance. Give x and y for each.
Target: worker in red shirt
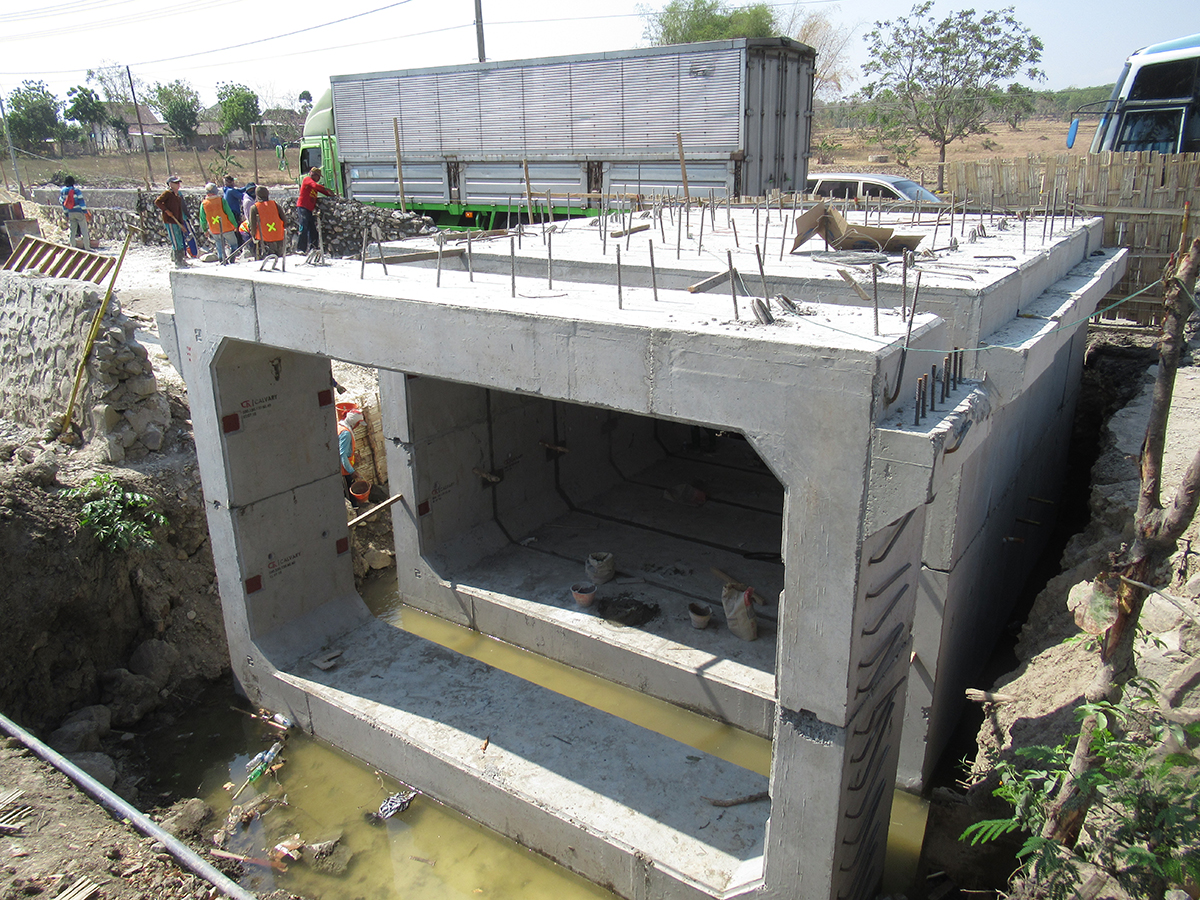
(307, 205)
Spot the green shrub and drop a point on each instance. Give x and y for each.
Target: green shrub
(120, 519)
(1144, 829)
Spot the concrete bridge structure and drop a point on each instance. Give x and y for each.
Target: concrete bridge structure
(531, 421)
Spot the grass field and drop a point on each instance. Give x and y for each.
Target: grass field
(1038, 137)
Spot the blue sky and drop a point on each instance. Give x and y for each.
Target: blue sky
(56, 41)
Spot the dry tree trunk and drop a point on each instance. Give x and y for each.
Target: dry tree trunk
(1157, 528)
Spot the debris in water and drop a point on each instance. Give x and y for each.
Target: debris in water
(288, 849)
(397, 803)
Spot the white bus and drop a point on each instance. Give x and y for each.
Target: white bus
(1155, 104)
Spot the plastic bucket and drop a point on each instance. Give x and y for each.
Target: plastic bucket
(344, 409)
(360, 491)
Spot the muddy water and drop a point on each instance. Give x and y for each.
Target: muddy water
(430, 852)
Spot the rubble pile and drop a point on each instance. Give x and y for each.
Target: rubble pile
(132, 414)
(343, 221)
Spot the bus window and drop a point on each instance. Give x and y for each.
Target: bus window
(1165, 81)
(1150, 129)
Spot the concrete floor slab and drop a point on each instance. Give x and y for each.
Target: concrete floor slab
(523, 752)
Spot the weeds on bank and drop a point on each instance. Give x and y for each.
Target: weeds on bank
(1144, 827)
(120, 519)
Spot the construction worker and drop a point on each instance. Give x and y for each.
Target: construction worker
(266, 224)
(347, 450)
(220, 221)
(306, 207)
(170, 203)
(73, 204)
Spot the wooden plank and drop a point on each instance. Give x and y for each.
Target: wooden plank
(634, 230)
(709, 283)
(80, 890)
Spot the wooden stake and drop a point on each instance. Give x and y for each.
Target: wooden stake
(399, 167)
(687, 197)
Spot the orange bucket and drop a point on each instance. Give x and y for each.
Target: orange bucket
(360, 491)
(344, 409)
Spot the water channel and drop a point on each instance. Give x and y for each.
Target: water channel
(428, 852)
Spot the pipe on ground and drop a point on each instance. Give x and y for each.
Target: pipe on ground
(184, 854)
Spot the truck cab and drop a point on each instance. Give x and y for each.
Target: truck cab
(318, 147)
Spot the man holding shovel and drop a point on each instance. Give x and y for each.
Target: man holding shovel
(171, 205)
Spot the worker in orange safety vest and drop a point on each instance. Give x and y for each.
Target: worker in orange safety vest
(266, 224)
(220, 221)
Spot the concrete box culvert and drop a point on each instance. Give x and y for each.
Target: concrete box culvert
(472, 377)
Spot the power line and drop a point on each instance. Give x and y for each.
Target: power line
(118, 22)
(63, 9)
(192, 7)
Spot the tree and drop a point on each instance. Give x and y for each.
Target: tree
(684, 21)
(113, 80)
(943, 80)
(831, 41)
(33, 115)
(1018, 105)
(179, 105)
(306, 102)
(239, 108)
(86, 109)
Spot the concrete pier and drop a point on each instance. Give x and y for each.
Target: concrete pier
(529, 424)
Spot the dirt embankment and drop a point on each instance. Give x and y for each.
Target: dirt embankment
(1044, 690)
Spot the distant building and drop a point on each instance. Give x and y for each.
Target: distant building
(112, 137)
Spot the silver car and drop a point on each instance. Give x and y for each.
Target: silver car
(860, 185)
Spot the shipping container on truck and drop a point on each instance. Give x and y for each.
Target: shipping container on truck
(592, 124)
(1155, 103)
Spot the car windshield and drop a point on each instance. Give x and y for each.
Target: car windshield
(914, 191)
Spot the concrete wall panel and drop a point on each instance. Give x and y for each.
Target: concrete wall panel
(278, 422)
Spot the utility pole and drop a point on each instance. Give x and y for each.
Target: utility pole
(13, 153)
(479, 29)
(142, 129)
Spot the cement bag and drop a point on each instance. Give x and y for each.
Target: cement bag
(739, 611)
(600, 567)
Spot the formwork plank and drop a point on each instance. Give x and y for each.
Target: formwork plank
(54, 260)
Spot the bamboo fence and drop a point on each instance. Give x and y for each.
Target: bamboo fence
(1141, 197)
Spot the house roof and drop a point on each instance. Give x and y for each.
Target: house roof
(126, 111)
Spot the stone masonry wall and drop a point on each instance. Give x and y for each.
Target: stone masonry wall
(44, 324)
(342, 221)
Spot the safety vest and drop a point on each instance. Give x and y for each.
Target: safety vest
(270, 223)
(216, 217)
(343, 427)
